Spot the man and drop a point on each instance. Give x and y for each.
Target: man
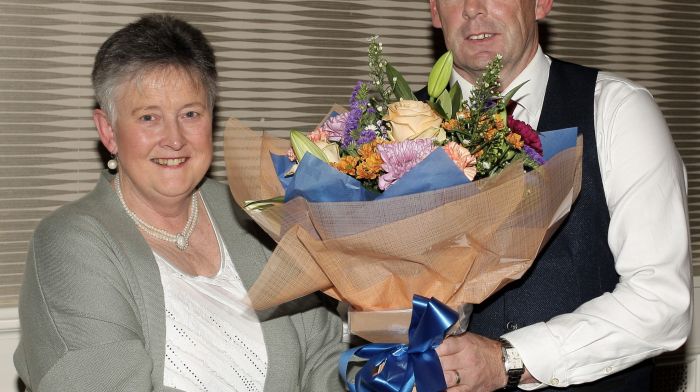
(613, 286)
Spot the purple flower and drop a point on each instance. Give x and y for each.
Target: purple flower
(534, 155)
(351, 123)
(401, 157)
(366, 136)
(491, 102)
(353, 97)
(335, 126)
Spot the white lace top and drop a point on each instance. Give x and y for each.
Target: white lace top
(213, 339)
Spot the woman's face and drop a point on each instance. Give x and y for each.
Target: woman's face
(162, 134)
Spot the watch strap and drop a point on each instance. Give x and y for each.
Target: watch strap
(513, 374)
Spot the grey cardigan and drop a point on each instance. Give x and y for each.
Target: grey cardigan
(92, 311)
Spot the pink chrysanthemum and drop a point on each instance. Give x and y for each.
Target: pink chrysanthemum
(401, 157)
(464, 160)
(530, 137)
(335, 126)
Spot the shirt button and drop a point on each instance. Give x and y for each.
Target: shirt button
(511, 325)
(608, 369)
(554, 381)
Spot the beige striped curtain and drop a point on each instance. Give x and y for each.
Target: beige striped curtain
(282, 65)
(653, 42)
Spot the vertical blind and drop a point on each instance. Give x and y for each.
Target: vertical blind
(282, 65)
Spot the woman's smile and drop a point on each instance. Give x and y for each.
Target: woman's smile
(169, 162)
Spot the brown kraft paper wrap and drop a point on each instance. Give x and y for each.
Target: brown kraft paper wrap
(459, 244)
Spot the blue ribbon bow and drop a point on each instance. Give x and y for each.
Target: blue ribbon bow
(397, 367)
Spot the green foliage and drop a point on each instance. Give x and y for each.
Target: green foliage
(398, 84)
(456, 97)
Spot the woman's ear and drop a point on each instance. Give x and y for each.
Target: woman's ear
(104, 128)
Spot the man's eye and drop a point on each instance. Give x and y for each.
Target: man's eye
(191, 114)
(147, 117)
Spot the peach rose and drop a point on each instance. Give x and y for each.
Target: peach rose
(413, 120)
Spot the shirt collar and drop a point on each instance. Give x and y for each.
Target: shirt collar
(530, 97)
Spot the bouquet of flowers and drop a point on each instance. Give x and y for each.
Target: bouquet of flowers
(393, 197)
(387, 133)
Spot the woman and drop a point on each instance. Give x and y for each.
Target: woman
(141, 284)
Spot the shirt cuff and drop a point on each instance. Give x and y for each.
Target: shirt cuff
(535, 346)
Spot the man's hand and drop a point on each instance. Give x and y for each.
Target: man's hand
(472, 363)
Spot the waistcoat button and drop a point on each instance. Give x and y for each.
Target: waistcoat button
(511, 325)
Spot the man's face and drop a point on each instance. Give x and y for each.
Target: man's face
(477, 30)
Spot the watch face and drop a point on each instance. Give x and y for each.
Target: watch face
(513, 364)
(512, 359)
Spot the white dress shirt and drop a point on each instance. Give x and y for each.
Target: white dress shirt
(644, 180)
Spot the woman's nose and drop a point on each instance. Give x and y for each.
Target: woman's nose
(173, 136)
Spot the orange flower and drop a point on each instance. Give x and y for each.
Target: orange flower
(370, 168)
(463, 114)
(364, 174)
(515, 140)
(499, 123)
(490, 133)
(450, 125)
(347, 164)
(368, 149)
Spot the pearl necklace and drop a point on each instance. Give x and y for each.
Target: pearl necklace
(181, 240)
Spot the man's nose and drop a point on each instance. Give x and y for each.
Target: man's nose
(473, 8)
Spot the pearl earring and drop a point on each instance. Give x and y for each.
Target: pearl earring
(112, 163)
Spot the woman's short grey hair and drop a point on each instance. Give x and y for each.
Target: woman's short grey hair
(151, 43)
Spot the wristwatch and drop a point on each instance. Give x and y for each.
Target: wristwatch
(512, 363)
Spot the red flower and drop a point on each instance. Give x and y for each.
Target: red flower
(530, 137)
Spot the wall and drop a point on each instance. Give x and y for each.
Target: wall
(9, 338)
